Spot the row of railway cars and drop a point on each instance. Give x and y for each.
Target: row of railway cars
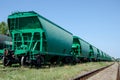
(37, 41)
(5, 42)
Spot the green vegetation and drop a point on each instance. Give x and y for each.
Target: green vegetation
(54, 73)
(118, 59)
(3, 28)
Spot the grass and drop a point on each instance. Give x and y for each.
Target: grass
(54, 73)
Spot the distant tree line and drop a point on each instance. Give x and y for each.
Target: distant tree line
(118, 59)
(4, 28)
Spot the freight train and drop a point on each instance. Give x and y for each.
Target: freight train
(37, 40)
(5, 42)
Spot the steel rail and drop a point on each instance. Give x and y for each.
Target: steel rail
(118, 73)
(91, 73)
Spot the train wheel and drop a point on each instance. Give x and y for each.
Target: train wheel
(39, 61)
(6, 62)
(23, 61)
(77, 60)
(68, 60)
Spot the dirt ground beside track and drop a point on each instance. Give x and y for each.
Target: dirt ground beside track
(108, 74)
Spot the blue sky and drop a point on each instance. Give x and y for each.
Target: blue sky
(96, 21)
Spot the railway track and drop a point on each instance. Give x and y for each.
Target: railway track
(118, 73)
(89, 74)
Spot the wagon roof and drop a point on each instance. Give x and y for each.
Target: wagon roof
(30, 14)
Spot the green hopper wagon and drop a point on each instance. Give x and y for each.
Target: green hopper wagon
(36, 40)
